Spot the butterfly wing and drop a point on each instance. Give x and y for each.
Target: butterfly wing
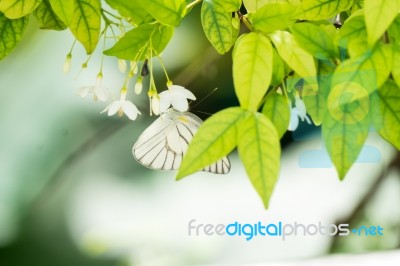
(162, 145)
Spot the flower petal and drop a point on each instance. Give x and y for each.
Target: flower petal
(180, 104)
(101, 93)
(165, 101)
(176, 89)
(301, 108)
(294, 120)
(130, 110)
(84, 91)
(155, 105)
(114, 107)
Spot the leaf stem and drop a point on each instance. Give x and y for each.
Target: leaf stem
(245, 21)
(192, 4)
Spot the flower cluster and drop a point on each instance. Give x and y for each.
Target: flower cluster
(175, 96)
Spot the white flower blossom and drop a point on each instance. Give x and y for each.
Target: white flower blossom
(296, 113)
(177, 97)
(99, 93)
(122, 106)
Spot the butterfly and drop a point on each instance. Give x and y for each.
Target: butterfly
(164, 143)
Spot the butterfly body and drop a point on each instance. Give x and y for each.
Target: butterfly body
(164, 143)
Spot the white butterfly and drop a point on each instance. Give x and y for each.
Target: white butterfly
(162, 145)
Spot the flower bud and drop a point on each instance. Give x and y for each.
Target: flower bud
(122, 65)
(138, 86)
(67, 64)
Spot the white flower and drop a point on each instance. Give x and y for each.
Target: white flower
(122, 106)
(99, 93)
(177, 97)
(299, 111)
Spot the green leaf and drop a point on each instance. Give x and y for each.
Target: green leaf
(131, 10)
(14, 9)
(252, 69)
(386, 112)
(165, 11)
(370, 69)
(254, 5)
(64, 10)
(278, 69)
(394, 31)
(315, 101)
(378, 17)
(142, 42)
(295, 56)
(322, 9)
(216, 138)
(346, 125)
(229, 5)
(85, 23)
(315, 40)
(396, 64)
(277, 109)
(272, 17)
(11, 31)
(259, 149)
(47, 18)
(354, 28)
(217, 25)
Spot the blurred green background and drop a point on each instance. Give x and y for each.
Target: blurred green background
(72, 194)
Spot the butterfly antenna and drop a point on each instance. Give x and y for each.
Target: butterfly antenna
(210, 114)
(205, 97)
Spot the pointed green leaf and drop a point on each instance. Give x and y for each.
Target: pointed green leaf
(217, 25)
(18, 8)
(64, 10)
(131, 10)
(85, 23)
(396, 64)
(142, 42)
(259, 149)
(272, 17)
(165, 11)
(394, 31)
(346, 125)
(386, 112)
(252, 69)
(47, 18)
(370, 69)
(230, 5)
(353, 28)
(315, 40)
(295, 56)
(378, 17)
(216, 138)
(253, 5)
(277, 109)
(278, 69)
(323, 9)
(11, 31)
(315, 101)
